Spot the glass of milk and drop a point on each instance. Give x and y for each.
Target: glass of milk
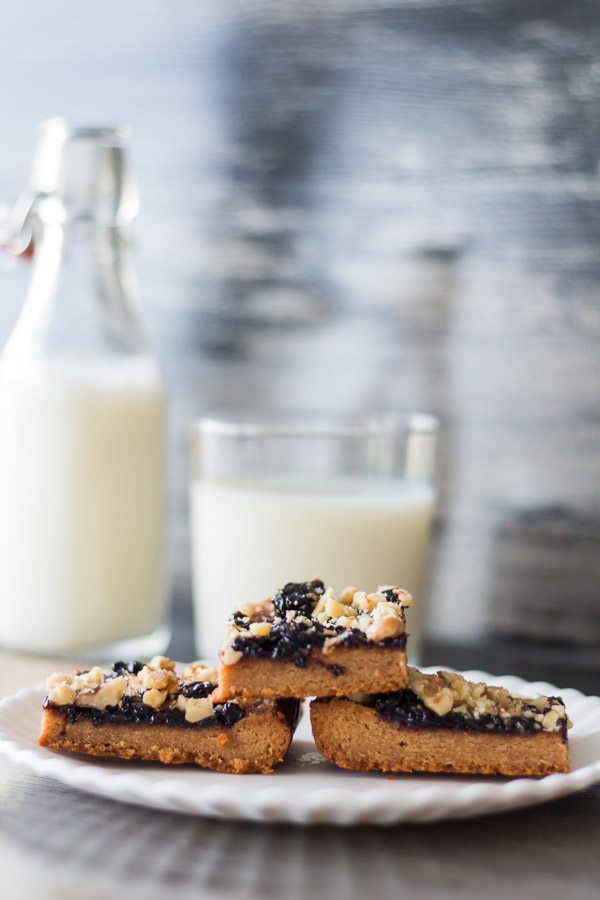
(350, 502)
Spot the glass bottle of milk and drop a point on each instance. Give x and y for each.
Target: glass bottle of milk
(82, 420)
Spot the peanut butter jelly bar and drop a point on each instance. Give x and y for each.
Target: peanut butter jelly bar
(148, 712)
(304, 642)
(444, 723)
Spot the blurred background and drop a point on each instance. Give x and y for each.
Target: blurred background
(359, 205)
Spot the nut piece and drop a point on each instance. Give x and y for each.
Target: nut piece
(162, 662)
(358, 698)
(499, 695)
(200, 671)
(90, 679)
(382, 629)
(385, 608)
(336, 610)
(58, 678)
(432, 691)
(540, 703)
(550, 720)
(260, 629)
(154, 698)
(363, 602)
(363, 622)
(441, 702)
(61, 693)
(247, 609)
(404, 598)
(159, 679)
(229, 656)
(195, 709)
(108, 694)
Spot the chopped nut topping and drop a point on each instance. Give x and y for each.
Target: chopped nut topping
(154, 698)
(162, 662)
(432, 691)
(260, 629)
(58, 678)
(195, 709)
(387, 627)
(336, 610)
(108, 694)
(229, 656)
(364, 602)
(384, 609)
(247, 609)
(92, 678)
(199, 671)
(255, 610)
(156, 684)
(447, 692)
(62, 694)
(159, 679)
(63, 689)
(377, 616)
(550, 720)
(403, 597)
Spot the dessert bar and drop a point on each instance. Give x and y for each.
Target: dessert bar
(443, 723)
(304, 642)
(148, 712)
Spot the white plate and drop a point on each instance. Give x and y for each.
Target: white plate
(306, 789)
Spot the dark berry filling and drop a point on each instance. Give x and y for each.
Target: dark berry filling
(403, 708)
(197, 689)
(132, 711)
(301, 597)
(293, 641)
(132, 667)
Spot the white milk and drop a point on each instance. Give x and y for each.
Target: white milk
(82, 484)
(248, 540)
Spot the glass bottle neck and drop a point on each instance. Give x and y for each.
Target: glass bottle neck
(82, 294)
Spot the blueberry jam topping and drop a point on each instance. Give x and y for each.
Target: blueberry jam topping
(292, 641)
(403, 708)
(197, 689)
(132, 667)
(227, 714)
(132, 711)
(301, 597)
(238, 618)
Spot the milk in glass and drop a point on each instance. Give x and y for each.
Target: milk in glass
(251, 538)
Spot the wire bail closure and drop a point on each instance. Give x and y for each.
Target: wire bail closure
(16, 235)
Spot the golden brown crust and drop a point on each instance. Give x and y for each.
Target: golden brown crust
(355, 736)
(254, 744)
(372, 669)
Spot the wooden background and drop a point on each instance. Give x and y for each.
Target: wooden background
(360, 205)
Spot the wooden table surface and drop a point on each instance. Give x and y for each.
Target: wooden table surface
(354, 204)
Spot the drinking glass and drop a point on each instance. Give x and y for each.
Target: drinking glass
(347, 501)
